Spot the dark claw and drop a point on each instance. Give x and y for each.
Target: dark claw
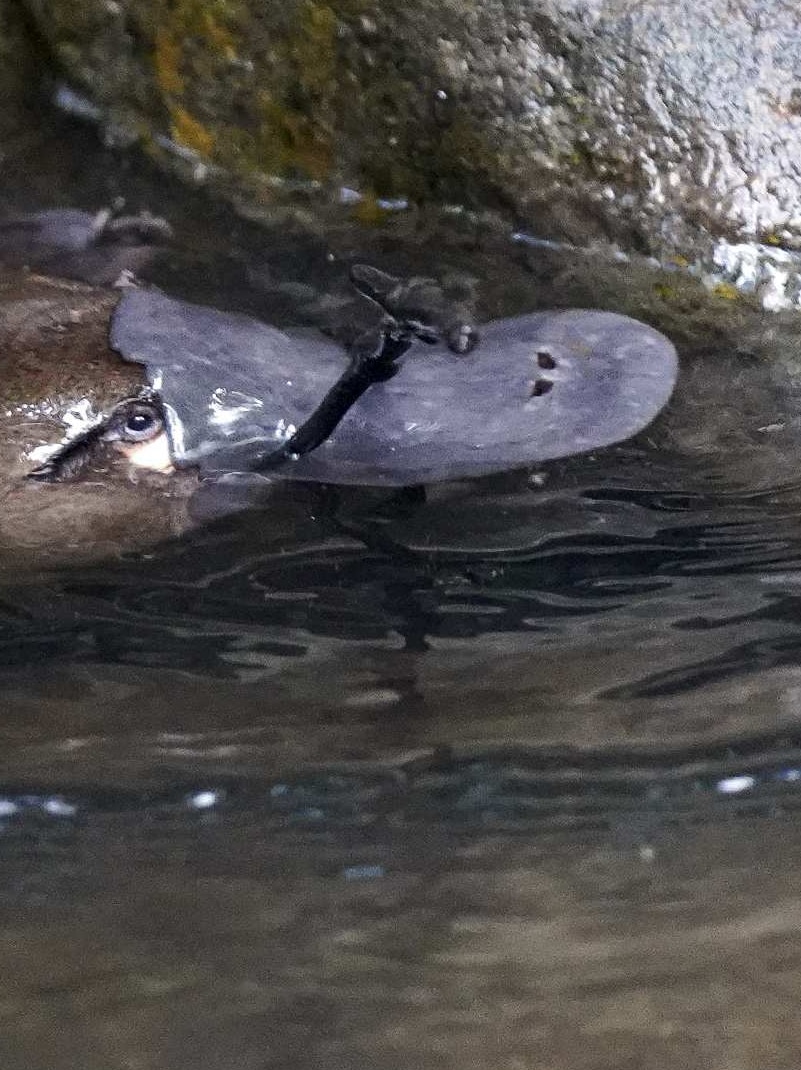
(375, 285)
(461, 338)
(414, 310)
(144, 229)
(370, 363)
(418, 305)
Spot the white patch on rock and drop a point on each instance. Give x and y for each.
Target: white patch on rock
(773, 275)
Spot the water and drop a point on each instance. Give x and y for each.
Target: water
(503, 776)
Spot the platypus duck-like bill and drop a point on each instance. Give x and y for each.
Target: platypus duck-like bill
(231, 395)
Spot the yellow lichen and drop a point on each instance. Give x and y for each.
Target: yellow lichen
(287, 131)
(727, 290)
(313, 48)
(663, 290)
(190, 45)
(368, 211)
(190, 133)
(289, 139)
(167, 60)
(218, 37)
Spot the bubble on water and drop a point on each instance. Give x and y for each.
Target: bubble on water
(789, 776)
(204, 800)
(363, 873)
(735, 785)
(284, 430)
(57, 806)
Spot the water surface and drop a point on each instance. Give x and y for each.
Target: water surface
(502, 775)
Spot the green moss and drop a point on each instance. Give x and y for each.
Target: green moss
(369, 212)
(313, 50)
(581, 161)
(289, 140)
(167, 63)
(192, 45)
(287, 130)
(665, 291)
(295, 129)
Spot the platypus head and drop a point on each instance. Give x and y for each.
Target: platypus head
(59, 384)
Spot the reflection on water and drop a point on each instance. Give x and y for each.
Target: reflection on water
(505, 775)
(335, 783)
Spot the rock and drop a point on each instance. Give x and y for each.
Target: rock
(654, 125)
(97, 248)
(19, 71)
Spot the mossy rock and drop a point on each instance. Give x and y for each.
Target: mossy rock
(584, 118)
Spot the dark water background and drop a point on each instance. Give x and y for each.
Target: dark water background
(504, 777)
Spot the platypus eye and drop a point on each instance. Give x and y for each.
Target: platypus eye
(141, 422)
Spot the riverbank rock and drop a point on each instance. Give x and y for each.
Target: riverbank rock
(20, 69)
(656, 125)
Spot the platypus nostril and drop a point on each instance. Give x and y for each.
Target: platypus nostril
(540, 387)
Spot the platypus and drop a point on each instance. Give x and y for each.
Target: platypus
(222, 398)
(240, 397)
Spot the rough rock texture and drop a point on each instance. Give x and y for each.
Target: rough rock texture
(651, 122)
